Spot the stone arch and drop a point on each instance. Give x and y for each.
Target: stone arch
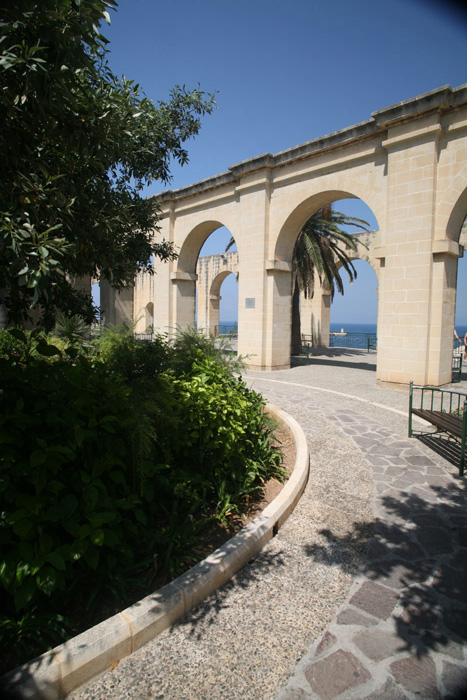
(452, 210)
(304, 209)
(407, 162)
(316, 312)
(212, 271)
(184, 277)
(450, 236)
(215, 296)
(193, 242)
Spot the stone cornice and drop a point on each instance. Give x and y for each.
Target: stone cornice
(438, 100)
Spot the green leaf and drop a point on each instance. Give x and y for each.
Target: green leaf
(68, 506)
(22, 528)
(18, 334)
(37, 458)
(56, 560)
(97, 538)
(46, 349)
(91, 556)
(46, 580)
(25, 593)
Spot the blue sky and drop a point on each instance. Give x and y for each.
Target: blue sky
(286, 72)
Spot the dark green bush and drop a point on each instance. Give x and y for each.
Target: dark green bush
(9, 345)
(110, 459)
(134, 360)
(68, 486)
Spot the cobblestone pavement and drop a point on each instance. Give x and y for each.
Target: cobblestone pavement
(363, 592)
(402, 630)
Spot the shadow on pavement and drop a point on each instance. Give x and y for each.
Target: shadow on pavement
(442, 444)
(207, 611)
(420, 557)
(304, 361)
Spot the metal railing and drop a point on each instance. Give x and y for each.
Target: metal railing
(144, 336)
(366, 341)
(230, 329)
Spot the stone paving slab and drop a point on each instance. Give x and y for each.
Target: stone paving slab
(401, 632)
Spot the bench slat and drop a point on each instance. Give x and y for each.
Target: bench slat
(445, 421)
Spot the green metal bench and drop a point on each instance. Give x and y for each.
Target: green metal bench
(446, 409)
(371, 343)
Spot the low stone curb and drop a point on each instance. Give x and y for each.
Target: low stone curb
(58, 672)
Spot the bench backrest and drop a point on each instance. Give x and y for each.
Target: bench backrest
(433, 398)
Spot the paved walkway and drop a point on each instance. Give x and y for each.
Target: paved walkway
(363, 592)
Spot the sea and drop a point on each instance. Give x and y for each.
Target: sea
(359, 332)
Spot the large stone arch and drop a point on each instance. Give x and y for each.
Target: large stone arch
(315, 312)
(447, 248)
(192, 244)
(297, 217)
(408, 163)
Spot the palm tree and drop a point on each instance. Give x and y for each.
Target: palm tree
(321, 250)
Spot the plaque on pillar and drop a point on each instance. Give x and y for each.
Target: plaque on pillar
(249, 303)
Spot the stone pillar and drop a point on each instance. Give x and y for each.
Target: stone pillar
(184, 299)
(417, 280)
(278, 314)
(117, 307)
(264, 295)
(442, 312)
(315, 317)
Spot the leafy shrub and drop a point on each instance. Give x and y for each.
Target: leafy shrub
(71, 328)
(224, 447)
(190, 346)
(67, 483)
(9, 345)
(133, 359)
(109, 460)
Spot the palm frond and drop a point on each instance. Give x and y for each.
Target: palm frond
(323, 248)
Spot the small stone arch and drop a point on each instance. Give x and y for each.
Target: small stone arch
(189, 251)
(184, 277)
(212, 271)
(452, 210)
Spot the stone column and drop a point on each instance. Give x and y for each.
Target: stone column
(184, 298)
(278, 315)
(117, 307)
(417, 285)
(315, 317)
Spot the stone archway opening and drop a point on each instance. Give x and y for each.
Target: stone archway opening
(311, 317)
(356, 311)
(217, 283)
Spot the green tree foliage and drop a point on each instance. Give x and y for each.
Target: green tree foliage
(77, 146)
